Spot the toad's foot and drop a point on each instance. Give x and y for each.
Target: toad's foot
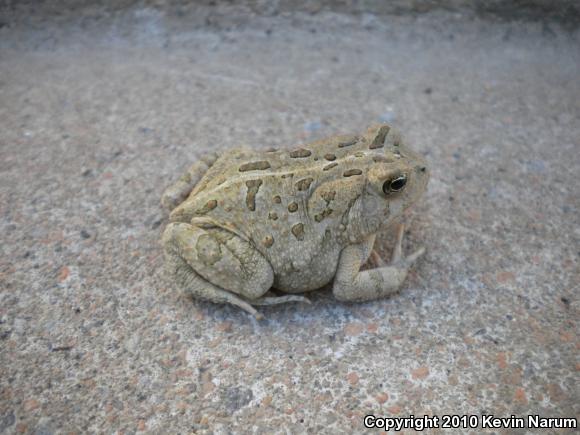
(279, 300)
(376, 260)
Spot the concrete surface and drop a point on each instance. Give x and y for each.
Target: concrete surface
(97, 117)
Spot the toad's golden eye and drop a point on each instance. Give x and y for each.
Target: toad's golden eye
(395, 184)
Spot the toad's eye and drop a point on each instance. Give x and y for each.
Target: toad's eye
(394, 184)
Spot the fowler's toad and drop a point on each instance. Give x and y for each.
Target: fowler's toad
(295, 220)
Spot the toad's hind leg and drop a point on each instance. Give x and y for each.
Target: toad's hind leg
(218, 266)
(177, 192)
(199, 288)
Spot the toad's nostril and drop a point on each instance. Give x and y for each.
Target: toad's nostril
(423, 168)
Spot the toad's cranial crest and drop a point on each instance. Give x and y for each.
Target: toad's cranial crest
(248, 220)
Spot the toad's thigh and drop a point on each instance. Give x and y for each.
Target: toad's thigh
(221, 257)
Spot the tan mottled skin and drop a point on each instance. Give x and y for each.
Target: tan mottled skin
(295, 220)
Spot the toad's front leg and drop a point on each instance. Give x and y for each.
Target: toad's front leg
(350, 284)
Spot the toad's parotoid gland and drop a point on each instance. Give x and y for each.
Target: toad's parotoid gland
(245, 221)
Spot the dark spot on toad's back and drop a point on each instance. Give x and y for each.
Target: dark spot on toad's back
(379, 140)
(253, 187)
(255, 166)
(326, 212)
(268, 241)
(352, 172)
(304, 184)
(348, 142)
(300, 153)
(210, 205)
(298, 231)
(328, 196)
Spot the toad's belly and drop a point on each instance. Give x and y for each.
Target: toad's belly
(299, 276)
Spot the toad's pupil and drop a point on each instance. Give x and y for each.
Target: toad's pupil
(398, 183)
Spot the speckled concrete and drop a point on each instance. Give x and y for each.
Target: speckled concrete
(97, 117)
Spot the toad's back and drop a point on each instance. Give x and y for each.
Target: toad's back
(308, 166)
